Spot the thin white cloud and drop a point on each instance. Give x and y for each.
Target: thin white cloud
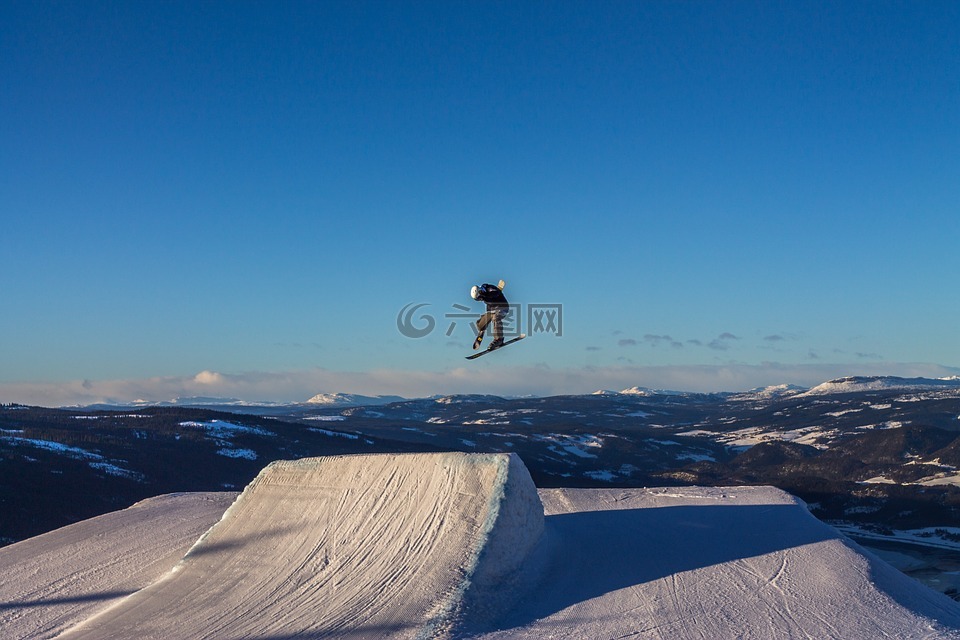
(298, 386)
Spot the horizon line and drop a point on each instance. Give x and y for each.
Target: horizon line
(288, 387)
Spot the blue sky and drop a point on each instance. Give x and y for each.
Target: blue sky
(721, 195)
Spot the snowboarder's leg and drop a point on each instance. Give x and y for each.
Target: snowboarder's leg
(497, 330)
(481, 326)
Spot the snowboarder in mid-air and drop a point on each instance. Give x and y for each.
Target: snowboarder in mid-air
(497, 309)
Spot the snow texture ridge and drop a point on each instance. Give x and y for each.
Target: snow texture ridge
(512, 530)
(344, 547)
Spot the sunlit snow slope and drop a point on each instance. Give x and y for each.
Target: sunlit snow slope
(344, 547)
(51, 582)
(436, 546)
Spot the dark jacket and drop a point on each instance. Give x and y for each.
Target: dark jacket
(493, 297)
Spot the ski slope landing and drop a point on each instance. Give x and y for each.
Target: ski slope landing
(380, 546)
(694, 563)
(455, 546)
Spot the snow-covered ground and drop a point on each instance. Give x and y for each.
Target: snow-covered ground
(745, 438)
(55, 580)
(452, 545)
(222, 432)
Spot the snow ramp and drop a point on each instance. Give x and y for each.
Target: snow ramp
(365, 546)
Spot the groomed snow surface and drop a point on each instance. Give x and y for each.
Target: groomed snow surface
(452, 545)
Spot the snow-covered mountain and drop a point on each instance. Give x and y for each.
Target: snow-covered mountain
(640, 392)
(467, 399)
(770, 392)
(857, 384)
(644, 391)
(351, 400)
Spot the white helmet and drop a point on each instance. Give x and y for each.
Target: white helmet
(474, 292)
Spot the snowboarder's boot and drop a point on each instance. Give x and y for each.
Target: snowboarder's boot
(476, 343)
(496, 344)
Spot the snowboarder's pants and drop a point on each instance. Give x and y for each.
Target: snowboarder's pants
(496, 317)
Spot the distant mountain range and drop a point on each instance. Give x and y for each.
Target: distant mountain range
(851, 384)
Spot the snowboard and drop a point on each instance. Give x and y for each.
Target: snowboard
(488, 349)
